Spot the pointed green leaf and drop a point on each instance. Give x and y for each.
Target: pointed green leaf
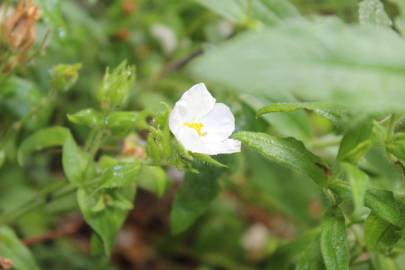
(397, 146)
(287, 152)
(334, 113)
(106, 221)
(379, 234)
(208, 160)
(87, 117)
(125, 121)
(383, 203)
(356, 142)
(74, 162)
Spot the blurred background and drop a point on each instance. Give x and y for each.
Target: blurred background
(262, 205)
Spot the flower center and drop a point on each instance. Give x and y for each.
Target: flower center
(197, 127)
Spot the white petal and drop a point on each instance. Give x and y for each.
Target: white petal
(227, 146)
(196, 102)
(219, 123)
(177, 117)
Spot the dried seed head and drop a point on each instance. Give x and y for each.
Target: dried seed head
(19, 28)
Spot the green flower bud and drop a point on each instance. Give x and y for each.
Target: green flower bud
(63, 77)
(87, 117)
(116, 86)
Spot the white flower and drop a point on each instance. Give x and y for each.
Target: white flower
(201, 125)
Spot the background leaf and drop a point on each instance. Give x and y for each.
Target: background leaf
(193, 198)
(241, 11)
(44, 138)
(13, 249)
(345, 64)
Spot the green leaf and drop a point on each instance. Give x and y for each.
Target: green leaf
(119, 173)
(334, 62)
(159, 146)
(384, 205)
(13, 249)
(240, 11)
(294, 124)
(2, 157)
(334, 113)
(397, 146)
(125, 120)
(287, 152)
(44, 138)
(208, 160)
(356, 142)
(380, 235)
(381, 262)
(372, 12)
(193, 198)
(153, 179)
(359, 182)
(87, 117)
(382, 202)
(74, 162)
(311, 259)
(334, 247)
(106, 221)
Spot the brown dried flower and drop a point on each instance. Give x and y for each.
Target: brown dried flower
(19, 28)
(5, 264)
(132, 147)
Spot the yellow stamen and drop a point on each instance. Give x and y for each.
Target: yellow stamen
(197, 127)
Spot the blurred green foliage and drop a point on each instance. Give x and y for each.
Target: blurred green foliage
(91, 177)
